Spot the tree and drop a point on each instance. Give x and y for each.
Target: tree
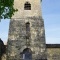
(7, 9)
(2, 48)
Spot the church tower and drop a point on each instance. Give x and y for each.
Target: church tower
(26, 39)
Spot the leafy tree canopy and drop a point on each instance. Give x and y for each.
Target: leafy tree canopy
(6, 8)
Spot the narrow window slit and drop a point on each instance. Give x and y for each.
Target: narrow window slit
(27, 30)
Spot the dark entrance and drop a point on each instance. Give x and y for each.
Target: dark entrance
(27, 54)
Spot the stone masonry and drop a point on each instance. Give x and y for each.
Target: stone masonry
(17, 41)
(26, 32)
(53, 52)
(26, 38)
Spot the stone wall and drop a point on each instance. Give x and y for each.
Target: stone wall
(17, 40)
(53, 52)
(4, 57)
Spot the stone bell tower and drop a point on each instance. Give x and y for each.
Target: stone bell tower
(26, 40)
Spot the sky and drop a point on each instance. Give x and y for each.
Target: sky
(51, 16)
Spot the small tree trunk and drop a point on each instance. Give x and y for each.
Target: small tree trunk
(0, 58)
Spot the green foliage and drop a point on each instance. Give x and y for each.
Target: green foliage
(6, 8)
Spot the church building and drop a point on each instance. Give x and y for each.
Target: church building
(26, 38)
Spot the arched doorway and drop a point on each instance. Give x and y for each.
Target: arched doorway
(27, 54)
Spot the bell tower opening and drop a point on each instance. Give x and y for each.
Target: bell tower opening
(27, 6)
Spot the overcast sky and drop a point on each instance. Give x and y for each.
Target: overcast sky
(51, 16)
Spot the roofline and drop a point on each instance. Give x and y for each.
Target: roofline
(52, 45)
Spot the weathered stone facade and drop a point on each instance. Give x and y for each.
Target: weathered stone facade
(17, 41)
(27, 34)
(53, 53)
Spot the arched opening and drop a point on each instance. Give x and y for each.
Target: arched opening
(27, 6)
(27, 54)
